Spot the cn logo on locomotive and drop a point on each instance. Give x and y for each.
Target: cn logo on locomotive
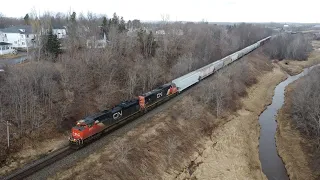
(159, 95)
(117, 115)
(76, 134)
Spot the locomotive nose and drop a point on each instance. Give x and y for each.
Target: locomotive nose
(76, 133)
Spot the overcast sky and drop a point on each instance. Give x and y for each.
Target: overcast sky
(306, 11)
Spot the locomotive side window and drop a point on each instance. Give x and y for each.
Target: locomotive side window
(90, 124)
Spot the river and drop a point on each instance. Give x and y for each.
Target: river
(272, 165)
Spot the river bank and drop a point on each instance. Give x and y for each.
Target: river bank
(292, 146)
(234, 153)
(295, 149)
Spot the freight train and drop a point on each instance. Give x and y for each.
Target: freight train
(91, 127)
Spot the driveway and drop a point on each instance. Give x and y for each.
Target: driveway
(13, 60)
(10, 61)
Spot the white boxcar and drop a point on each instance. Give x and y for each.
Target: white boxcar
(218, 65)
(234, 56)
(226, 60)
(206, 71)
(187, 80)
(210, 69)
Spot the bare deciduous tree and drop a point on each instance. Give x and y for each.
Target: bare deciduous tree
(305, 109)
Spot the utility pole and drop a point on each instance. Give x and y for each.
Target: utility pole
(8, 131)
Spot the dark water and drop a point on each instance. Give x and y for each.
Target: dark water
(272, 165)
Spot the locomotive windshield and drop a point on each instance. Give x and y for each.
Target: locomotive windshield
(85, 122)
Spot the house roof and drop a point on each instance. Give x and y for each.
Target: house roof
(22, 29)
(58, 26)
(4, 43)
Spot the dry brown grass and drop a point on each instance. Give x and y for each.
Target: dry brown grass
(9, 56)
(233, 152)
(152, 150)
(32, 150)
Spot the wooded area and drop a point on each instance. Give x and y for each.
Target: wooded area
(289, 46)
(305, 109)
(48, 94)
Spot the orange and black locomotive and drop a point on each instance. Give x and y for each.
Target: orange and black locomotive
(93, 126)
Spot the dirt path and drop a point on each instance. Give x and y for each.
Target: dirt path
(233, 153)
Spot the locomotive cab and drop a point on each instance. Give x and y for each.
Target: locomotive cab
(83, 129)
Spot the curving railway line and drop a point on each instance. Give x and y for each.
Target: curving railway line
(112, 130)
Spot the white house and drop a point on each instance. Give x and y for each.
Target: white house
(93, 42)
(18, 36)
(177, 32)
(6, 48)
(60, 31)
(160, 32)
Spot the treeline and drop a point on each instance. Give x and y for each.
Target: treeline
(49, 94)
(289, 46)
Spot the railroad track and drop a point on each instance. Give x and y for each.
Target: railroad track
(113, 132)
(41, 163)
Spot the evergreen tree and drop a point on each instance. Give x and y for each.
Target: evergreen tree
(26, 19)
(104, 26)
(73, 17)
(115, 20)
(122, 25)
(53, 45)
(136, 23)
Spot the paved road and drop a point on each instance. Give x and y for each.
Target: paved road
(17, 60)
(13, 60)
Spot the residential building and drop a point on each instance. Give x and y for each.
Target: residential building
(6, 48)
(177, 32)
(160, 32)
(59, 31)
(19, 36)
(93, 42)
